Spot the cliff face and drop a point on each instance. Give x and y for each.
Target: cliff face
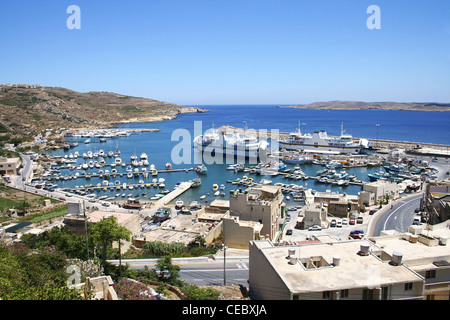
(358, 105)
(26, 108)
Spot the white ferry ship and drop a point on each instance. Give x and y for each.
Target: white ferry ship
(320, 142)
(234, 144)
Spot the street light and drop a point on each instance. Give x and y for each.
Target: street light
(224, 264)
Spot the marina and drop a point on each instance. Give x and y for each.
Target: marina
(131, 165)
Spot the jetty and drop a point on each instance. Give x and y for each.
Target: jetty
(182, 188)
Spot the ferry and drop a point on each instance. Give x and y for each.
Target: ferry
(234, 144)
(320, 142)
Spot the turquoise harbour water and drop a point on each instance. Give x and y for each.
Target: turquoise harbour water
(393, 125)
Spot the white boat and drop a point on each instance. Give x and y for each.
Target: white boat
(215, 187)
(179, 204)
(168, 166)
(320, 142)
(194, 205)
(235, 144)
(202, 197)
(266, 182)
(117, 161)
(217, 193)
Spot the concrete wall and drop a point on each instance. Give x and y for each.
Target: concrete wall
(238, 235)
(264, 281)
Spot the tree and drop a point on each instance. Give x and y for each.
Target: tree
(167, 272)
(105, 232)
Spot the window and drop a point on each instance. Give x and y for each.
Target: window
(326, 295)
(384, 293)
(408, 286)
(367, 294)
(430, 274)
(344, 293)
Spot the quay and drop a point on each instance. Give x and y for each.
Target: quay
(380, 145)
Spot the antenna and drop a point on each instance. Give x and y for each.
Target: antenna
(342, 128)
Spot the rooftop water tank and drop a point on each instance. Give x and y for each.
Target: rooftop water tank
(336, 261)
(397, 258)
(364, 250)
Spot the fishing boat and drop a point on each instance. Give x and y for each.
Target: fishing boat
(179, 204)
(168, 166)
(215, 187)
(194, 205)
(201, 169)
(196, 183)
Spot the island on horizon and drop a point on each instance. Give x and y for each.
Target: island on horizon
(359, 105)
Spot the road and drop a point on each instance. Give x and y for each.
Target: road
(399, 217)
(202, 271)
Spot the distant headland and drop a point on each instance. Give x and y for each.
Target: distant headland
(359, 105)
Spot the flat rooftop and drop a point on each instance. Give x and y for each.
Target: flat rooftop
(418, 255)
(354, 270)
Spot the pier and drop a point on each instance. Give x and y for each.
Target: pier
(182, 188)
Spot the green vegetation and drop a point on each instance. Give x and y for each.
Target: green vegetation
(43, 216)
(27, 274)
(36, 267)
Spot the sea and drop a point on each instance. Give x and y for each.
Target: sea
(173, 144)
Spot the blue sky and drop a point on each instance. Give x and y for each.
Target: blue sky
(232, 51)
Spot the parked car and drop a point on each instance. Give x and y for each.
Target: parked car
(315, 227)
(352, 220)
(359, 220)
(357, 234)
(333, 223)
(344, 221)
(416, 220)
(371, 212)
(339, 224)
(289, 232)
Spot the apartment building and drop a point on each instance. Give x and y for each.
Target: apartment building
(425, 250)
(9, 166)
(351, 270)
(260, 204)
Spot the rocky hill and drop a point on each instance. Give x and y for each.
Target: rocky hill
(27, 109)
(358, 105)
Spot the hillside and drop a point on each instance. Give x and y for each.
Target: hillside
(358, 105)
(27, 109)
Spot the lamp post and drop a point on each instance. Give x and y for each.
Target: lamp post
(224, 264)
